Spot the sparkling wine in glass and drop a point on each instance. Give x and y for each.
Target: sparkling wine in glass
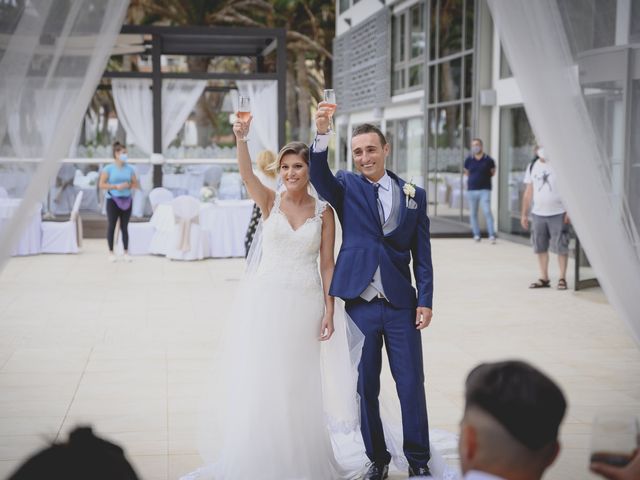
(244, 111)
(330, 100)
(614, 439)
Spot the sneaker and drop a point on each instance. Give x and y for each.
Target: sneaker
(112, 258)
(493, 240)
(127, 258)
(477, 239)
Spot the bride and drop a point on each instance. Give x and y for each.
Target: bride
(270, 409)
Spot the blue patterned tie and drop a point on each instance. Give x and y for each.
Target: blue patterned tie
(376, 187)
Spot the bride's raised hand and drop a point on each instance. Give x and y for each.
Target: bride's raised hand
(241, 127)
(326, 328)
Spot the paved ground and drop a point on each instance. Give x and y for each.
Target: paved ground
(124, 347)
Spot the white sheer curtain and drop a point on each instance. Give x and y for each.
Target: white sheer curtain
(264, 109)
(55, 56)
(537, 43)
(179, 97)
(134, 104)
(133, 100)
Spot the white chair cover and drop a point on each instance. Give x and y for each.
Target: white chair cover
(212, 176)
(230, 186)
(62, 195)
(3, 193)
(159, 195)
(140, 237)
(188, 241)
(64, 237)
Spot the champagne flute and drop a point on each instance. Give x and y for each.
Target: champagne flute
(244, 112)
(614, 438)
(330, 100)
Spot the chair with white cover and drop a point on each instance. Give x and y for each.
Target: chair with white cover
(188, 240)
(159, 195)
(63, 194)
(3, 193)
(64, 237)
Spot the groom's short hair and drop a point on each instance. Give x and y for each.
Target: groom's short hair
(527, 403)
(368, 128)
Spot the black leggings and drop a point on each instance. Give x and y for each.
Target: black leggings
(113, 213)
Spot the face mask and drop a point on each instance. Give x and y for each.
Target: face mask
(476, 149)
(541, 152)
(124, 157)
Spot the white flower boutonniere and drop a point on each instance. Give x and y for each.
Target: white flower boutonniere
(409, 190)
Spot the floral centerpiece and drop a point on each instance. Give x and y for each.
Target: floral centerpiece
(207, 194)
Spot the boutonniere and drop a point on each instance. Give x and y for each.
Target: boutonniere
(409, 190)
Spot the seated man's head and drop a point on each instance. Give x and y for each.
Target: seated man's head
(511, 421)
(370, 150)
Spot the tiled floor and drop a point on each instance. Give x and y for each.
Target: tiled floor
(125, 347)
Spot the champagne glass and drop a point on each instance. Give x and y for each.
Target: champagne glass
(614, 438)
(330, 100)
(244, 112)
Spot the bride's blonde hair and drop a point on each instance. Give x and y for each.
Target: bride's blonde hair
(297, 148)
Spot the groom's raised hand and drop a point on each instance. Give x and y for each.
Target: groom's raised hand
(423, 317)
(323, 118)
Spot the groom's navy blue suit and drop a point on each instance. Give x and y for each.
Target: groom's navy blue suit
(365, 247)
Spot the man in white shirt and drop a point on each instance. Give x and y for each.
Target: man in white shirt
(509, 430)
(549, 219)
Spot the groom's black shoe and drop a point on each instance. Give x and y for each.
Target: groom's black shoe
(418, 472)
(376, 472)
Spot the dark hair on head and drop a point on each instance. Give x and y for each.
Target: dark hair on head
(527, 403)
(479, 140)
(83, 456)
(297, 148)
(368, 128)
(117, 147)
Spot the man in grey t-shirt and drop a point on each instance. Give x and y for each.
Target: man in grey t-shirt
(549, 219)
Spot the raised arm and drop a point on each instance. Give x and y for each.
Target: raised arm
(262, 195)
(327, 185)
(422, 267)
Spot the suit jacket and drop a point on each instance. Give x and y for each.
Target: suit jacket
(364, 244)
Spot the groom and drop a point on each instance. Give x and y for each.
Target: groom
(384, 225)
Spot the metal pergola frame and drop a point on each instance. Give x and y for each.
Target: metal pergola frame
(209, 41)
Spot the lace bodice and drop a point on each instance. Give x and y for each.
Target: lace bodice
(291, 256)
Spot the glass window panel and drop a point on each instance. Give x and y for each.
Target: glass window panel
(505, 68)
(415, 75)
(344, 5)
(418, 34)
(436, 190)
(402, 37)
(516, 152)
(415, 151)
(432, 83)
(469, 20)
(468, 76)
(449, 80)
(389, 134)
(468, 125)
(589, 24)
(450, 158)
(450, 35)
(635, 23)
(433, 30)
(401, 146)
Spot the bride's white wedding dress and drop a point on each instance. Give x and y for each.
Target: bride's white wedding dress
(265, 417)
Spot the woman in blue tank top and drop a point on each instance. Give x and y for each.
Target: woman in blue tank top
(118, 179)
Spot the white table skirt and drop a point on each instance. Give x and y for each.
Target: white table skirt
(225, 221)
(30, 242)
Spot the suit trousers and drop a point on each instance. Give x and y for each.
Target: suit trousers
(382, 323)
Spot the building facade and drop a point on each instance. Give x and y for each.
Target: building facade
(445, 80)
